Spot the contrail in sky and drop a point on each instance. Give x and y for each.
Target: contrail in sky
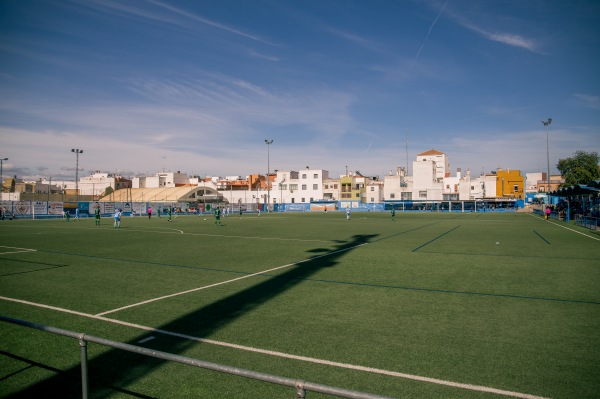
(427, 37)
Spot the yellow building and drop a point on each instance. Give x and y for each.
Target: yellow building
(510, 184)
(352, 188)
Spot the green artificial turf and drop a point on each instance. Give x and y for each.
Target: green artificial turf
(500, 301)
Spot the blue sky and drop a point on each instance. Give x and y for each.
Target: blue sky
(197, 86)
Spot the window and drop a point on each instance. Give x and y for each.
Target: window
(283, 186)
(315, 186)
(335, 187)
(357, 195)
(325, 186)
(303, 199)
(406, 196)
(304, 175)
(422, 194)
(516, 188)
(372, 188)
(372, 199)
(293, 187)
(303, 188)
(316, 176)
(392, 196)
(293, 200)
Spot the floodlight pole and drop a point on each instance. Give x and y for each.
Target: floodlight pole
(547, 123)
(77, 151)
(268, 143)
(49, 185)
(1, 176)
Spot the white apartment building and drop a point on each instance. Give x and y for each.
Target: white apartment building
(457, 187)
(440, 161)
(397, 187)
(331, 189)
(301, 186)
(374, 192)
(531, 181)
(161, 179)
(97, 183)
(431, 181)
(426, 183)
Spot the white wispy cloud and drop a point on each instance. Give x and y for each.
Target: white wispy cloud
(268, 57)
(505, 38)
(355, 39)
(249, 86)
(212, 23)
(587, 100)
(137, 10)
(508, 38)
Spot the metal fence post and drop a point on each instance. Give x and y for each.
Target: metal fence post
(300, 391)
(84, 366)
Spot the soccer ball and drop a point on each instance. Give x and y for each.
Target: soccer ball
(204, 218)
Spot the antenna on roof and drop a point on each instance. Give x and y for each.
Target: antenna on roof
(407, 152)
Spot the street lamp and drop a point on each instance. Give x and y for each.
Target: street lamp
(268, 143)
(2, 177)
(77, 151)
(547, 123)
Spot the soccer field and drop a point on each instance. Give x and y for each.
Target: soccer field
(431, 305)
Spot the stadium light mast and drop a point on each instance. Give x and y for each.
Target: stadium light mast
(547, 123)
(268, 143)
(77, 151)
(1, 176)
(49, 185)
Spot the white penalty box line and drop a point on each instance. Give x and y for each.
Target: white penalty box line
(18, 250)
(347, 366)
(227, 281)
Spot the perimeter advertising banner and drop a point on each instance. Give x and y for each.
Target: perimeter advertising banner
(40, 207)
(109, 207)
(22, 208)
(55, 208)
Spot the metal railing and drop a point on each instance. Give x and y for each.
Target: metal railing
(588, 222)
(300, 386)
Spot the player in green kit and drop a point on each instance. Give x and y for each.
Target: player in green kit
(393, 214)
(218, 216)
(97, 215)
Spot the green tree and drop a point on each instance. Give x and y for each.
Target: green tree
(108, 190)
(581, 168)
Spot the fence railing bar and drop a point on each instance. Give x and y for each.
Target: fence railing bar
(300, 385)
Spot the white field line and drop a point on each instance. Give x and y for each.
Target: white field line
(256, 238)
(570, 229)
(471, 387)
(22, 250)
(173, 231)
(227, 281)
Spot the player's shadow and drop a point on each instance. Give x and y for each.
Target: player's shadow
(115, 370)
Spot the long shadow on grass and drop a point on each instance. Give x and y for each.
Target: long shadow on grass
(115, 370)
